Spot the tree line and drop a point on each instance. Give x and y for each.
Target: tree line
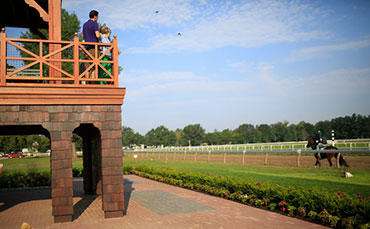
(348, 127)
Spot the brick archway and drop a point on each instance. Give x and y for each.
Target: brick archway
(100, 124)
(91, 140)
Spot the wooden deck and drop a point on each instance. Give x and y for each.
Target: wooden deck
(63, 72)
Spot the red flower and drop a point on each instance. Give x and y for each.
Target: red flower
(282, 202)
(132, 170)
(362, 200)
(283, 209)
(339, 191)
(277, 185)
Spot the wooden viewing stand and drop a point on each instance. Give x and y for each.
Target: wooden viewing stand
(48, 93)
(55, 78)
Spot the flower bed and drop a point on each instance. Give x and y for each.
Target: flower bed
(335, 210)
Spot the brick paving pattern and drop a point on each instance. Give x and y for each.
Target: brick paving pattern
(203, 211)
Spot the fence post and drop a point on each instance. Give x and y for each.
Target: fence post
(266, 155)
(338, 157)
(174, 156)
(224, 157)
(3, 57)
(195, 156)
(184, 154)
(209, 154)
(166, 155)
(298, 157)
(332, 137)
(159, 155)
(243, 157)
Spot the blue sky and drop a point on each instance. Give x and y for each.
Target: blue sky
(238, 61)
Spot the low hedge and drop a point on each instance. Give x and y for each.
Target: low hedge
(338, 210)
(30, 178)
(24, 179)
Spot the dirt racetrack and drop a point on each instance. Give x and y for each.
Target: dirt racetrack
(355, 162)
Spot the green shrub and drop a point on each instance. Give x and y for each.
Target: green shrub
(77, 172)
(24, 179)
(272, 206)
(291, 210)
(301, 211)
(353, 210)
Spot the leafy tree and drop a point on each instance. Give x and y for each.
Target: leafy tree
(266, 132)
(129, 137)
(280, 131)
(78, 141)
(226, 137)
(326, 127)
(212, 138)
(160, 136)
(70, 26)
(237, 138)
(193, 134)
(304, 130)
(247, 131)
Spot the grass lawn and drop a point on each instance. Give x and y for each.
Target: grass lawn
(329, 179)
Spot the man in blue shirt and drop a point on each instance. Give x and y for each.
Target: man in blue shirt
(91, 33)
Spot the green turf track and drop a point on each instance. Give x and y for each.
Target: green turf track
(329, 179)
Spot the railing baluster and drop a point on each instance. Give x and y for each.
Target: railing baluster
(115, 61)
(3, 57)
(76, 57)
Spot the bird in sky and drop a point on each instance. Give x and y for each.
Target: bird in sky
(156, 11)
(179, 34)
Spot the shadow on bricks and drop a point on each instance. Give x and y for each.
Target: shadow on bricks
(128, 190)
(86, 200)
(10, 198)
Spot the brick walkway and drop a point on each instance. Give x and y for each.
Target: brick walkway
(149, 204)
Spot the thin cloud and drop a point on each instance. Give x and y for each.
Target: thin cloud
(325, 51)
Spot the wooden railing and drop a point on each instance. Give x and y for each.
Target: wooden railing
(58, 63)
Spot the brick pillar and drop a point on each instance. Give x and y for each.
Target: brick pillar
(112, 170)
(61, 176)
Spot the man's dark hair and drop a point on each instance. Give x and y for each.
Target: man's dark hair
(93, 13)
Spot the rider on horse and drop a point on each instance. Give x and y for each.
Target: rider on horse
(321, 142)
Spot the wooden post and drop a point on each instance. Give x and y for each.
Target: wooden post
(115, 61)
(174, 156)
(166, 155)
(55, 34)
(195, 156)
(298, 157)
(266, 156)
(3, 57)
(184, 154)
(76, 57)
(152, 154)
(243, 157)
(224, 157)
(209, 154)
(338, 157)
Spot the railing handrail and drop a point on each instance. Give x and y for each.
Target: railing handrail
(54, 61)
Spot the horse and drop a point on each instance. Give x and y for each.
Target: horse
(328, 155)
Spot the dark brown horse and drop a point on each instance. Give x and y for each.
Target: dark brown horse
(328, 155)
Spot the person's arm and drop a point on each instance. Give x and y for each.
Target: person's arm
(97, 31)
(97, 34)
